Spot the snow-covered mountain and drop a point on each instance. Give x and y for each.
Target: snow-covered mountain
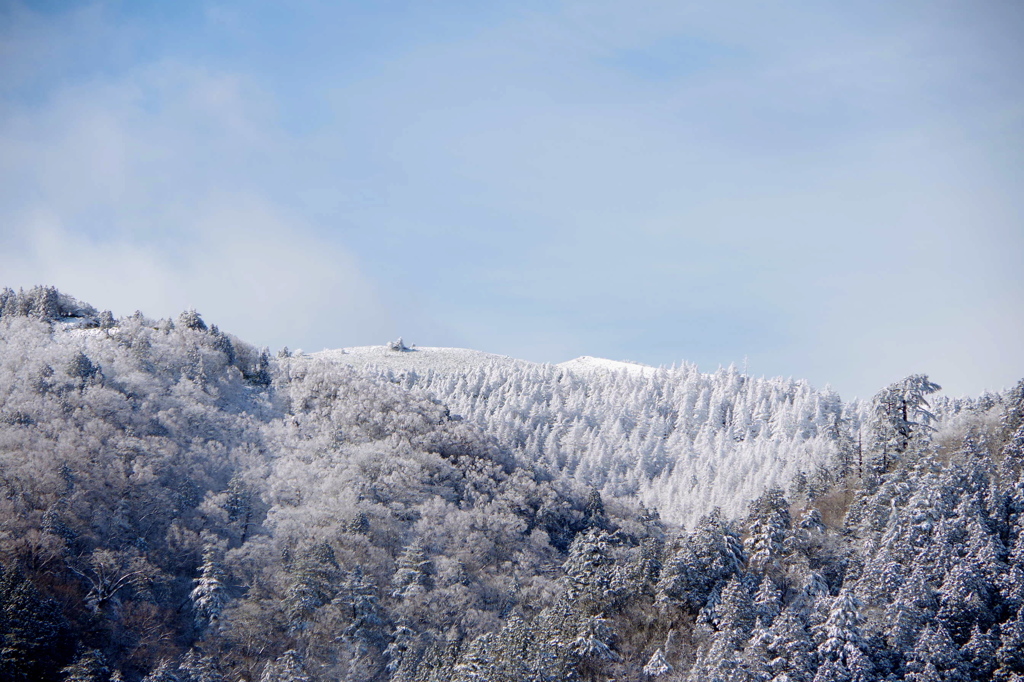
(176, 504)
(681, 440)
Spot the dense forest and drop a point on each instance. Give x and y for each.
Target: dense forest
(675, 438)
(178, 505)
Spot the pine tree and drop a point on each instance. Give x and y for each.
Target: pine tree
(767, 602)
(589, 571)
(1010, 654)
(657, 665)
(710, 555)
(259, 374)
(190, 319)
(46, 303)
(358, 596)
(594, 513)
(400, 651)
(239, 505)
(288, 667)
(591, 648)
(963, 601)
(222, 343)
(936, 650)
(790, 648)
(767, 523)
(196, 667)
(81, 368)
(476, 664)
(735, 613)
(210, 594)
(90, 666)
(979, 654)
(33, 631)
(414, 572)
(914, 605)
(165, 671)
(899, 414)
(316, 579)
(843, 640)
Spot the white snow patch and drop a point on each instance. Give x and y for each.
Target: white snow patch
(418, 359)
(589, 365)
(459, 359)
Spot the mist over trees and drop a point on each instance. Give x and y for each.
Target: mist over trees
(180, 505)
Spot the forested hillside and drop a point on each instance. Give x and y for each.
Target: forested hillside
(179, 505)
(677, 439)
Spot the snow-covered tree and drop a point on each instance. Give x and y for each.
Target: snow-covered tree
(286, 668)
(196, 667)
(414, 572)
(165, 671)
(899, 413)
(90, 666)
(657, 665)
(210, 593)
(190, 319)
(843, 642)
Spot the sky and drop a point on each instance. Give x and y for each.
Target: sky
(824, 190)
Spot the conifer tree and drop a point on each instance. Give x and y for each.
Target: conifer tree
(790, 648)
(358, 595)
(413, 573)
(239, 505)
(708, 557)
(32, 630)
(963, 601)
(979, 654)
(196, 667)
(165, 671)
(935, 650)
(595, 515)
(80, 367)
(900, 412)
(90, 666)
(400, 651)
(767, 524)
(589, 570)
(210, 594)
(735, 613)
(315, 580)
(843, 642)
(767, 602)
(1010, 654)
(190, 319)
(657, 665)
(286, 668)
(476, 663)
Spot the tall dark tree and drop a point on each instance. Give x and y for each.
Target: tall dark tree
(899, 413)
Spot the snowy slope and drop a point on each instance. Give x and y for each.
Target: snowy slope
(586, 364)
(679, 439)
(442, 359)
(439, 359)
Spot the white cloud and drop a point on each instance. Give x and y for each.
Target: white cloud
(244, 266)
(153, 191)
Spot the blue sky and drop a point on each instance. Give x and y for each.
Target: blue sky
(829, 191)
